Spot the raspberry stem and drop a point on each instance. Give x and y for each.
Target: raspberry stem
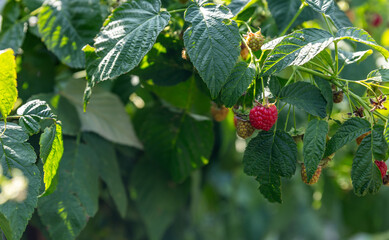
(302, 6)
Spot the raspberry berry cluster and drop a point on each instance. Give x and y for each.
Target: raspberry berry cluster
(255, 40)
(261, 117)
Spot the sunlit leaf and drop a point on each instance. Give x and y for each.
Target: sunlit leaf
(15, 152)
(8, 91)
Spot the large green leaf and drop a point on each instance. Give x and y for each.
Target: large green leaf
(349, 131)
(297, 48)
(269, 156)
(32, 113)
(104, 107)
(184, 141)
(306, 97)
(212, 43)
(66, 26)
(326, 91)
(8, 91)
(15, 152)
(157, 199)
(331, 10)
(12, 30)
(314, 145)
(283, 12)
(379, 75)
(65, 212)
(365, 175)
(51, 150)
(127, 35)
(241, 77)
(109, 171)
(361, 36)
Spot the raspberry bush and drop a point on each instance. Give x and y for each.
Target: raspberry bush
(135, 94)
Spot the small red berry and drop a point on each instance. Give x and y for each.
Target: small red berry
(263, 117)
(377, 20)
(382, 166)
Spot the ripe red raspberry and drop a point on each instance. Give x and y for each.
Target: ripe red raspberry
(382, 166)
(255, 40)
(315, 176)
(263, 117)
(243, 128)
(219, 113)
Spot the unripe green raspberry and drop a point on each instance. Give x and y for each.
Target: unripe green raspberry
(255, 40)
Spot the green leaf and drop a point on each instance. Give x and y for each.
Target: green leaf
(380, 146)
(272, 44)
(352, 57)
(127, 35)
(306, 97)
(379, 75)
(283, 12)
(212, 43)
(15, 152)
(361, 36)
(236, 6)
(196, 102)
(274, 85)
(8, 91)
(349, 131)
(51, 150)
(237, 83)
(331, 10)
(109, 170)
(164, 54)
(12, 31)
(159, 212)
(297, 48)
(68, 116)
(323, 58)
(32, 113)
(269, 156)
(104, 107)
(314, 145)
(326, 91)
(92, 67)
(365, 175)
(184, 141)
(65, 212)
(66, 26)
(386, 131)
